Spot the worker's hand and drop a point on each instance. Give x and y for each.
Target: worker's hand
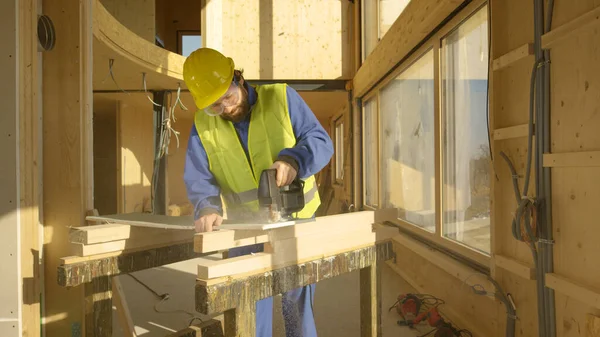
(206, 223)
(285, 173)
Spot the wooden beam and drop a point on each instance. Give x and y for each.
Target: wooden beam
(82, 271)
(572, 159)
(515, 267)
(575, 290)
(550, 39)
(512, 56)
(326, 224)
(67, 118)
(511, 132)
(418, 19)
(120, 302)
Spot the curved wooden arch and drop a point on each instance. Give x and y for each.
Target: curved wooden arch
(131, 56)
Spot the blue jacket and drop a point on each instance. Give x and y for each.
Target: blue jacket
(312, 152)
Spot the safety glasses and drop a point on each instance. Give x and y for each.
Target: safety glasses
(230, 98)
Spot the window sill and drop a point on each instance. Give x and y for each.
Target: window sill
(448, 264)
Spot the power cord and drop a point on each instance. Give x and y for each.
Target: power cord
(163, 298)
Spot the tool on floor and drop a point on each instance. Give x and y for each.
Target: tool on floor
(278, 203)
(410, 306)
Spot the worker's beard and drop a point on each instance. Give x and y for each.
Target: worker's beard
(240, 112)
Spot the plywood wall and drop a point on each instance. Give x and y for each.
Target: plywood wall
(137, 15)
(136, 145)
(174, 16)
(285, 40)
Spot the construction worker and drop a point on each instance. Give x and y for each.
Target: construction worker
(239, 131)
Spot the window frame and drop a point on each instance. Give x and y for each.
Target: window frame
(434, 43)
(338, 121)
(375, 99)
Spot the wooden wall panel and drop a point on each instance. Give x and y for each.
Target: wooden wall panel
(287, 40)
(182, 15)
(136, 143)
(9, 172)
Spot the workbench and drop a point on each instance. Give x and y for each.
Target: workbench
(293, 257)
(236, 297)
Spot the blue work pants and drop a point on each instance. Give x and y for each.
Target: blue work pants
(296, 305)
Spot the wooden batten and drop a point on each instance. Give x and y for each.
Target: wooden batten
(575, 290)
(573, 159)
(511, 132)
(513, 56)
(515, 267)
(588, 19)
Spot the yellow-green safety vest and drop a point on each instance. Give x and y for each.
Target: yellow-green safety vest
(270, 131)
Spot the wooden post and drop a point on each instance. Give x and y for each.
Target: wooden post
(67, 153)
(159, 176)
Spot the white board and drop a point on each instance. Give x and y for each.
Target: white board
(262, 226)
(185, 222)
(147, 220)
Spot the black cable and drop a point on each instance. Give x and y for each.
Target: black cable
(163, 296)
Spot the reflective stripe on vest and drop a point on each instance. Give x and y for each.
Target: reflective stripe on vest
(270, 131)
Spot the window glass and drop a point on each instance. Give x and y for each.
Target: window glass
(339, 149)
(189, 43)
(407, 141)
(370, 153)
(466, 152)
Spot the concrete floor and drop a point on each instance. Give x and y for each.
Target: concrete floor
(336, 303)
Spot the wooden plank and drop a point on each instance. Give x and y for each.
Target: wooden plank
(225, 239)
(592, 326)
(554, 36)
(234, 293)
(572, 159)
(120, 302)
(442, 261)
(79, 249)
(99, 233)
(515, 267)
(510, 132)
(513, 56)
(284, 252)
(77, 273)
(260, 226)
(208, 328)
(418, 19)
(575, 290)
(326, 224)
(147, 220)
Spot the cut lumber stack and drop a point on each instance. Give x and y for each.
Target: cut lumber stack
(120, 233)
(284, 246)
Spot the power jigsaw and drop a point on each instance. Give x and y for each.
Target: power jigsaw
(279, 203)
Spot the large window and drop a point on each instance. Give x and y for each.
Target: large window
(426, 146)
(466, 152)
(370, 153)
(407, 143)
(377, 18)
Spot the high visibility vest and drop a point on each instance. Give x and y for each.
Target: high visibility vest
(270, 131)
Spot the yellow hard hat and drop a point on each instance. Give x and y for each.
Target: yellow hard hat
(207, 74)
